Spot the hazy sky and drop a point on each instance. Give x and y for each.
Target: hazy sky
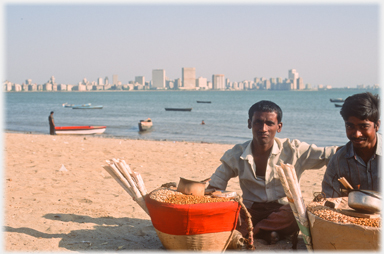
(329, 44)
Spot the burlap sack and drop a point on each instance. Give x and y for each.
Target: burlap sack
(327, 235)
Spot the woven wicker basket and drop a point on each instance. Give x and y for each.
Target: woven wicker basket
(203, 242)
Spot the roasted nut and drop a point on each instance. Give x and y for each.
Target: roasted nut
(174, 197)
(333, 215)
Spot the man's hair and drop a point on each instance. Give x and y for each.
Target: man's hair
(265, 106)
(364, 106)
(51, 112)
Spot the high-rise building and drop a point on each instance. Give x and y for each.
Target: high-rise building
(100, 81)
(218, 81)
(292, 74)
(201, 83)
(188, 76)
(106, 81)
(300, 84)
(158, 78)
(115, 79)
(140, 80)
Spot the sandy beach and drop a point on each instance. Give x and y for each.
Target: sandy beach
(58, 197)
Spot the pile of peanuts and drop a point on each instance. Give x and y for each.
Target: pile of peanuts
(174, 197)
(330, 214)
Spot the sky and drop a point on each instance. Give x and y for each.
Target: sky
(328, 44)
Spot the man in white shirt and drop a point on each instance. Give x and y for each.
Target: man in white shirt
(254, 162)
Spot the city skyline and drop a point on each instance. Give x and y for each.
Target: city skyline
(188, 81)
(335, 45)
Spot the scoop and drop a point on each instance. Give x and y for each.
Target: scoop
(191, 187)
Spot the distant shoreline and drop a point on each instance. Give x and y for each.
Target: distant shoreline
(191, 90)
(112, 137)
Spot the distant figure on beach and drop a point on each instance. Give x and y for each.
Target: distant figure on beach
(358, 161)
(202, 122)
(254, 162)
(51, 124)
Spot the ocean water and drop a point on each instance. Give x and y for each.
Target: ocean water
(307, 115)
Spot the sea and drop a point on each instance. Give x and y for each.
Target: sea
(308, 116)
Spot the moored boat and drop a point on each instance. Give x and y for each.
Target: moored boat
(79, 130)
(178, 109)
(338, 105)
(337, 100)
(87, 106)
(67, 105)
(145, 124)
(203, 101)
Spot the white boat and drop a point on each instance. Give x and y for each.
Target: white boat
(67, 105)
(79, 130)
(87, 106)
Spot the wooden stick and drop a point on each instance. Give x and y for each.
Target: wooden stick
(136, 177)
(299, 202)
(127, 166)
(345, 183)
(125, 173)
(140, 183)
(288, 193)
(126, 188)
(136, 194)
(295, 195)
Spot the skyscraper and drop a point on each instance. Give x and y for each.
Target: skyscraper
(100, 81)
(293, 76)
(115, 79)
(140, 80)
(218, 81)
(300, 84)
(188, 76)
(158, 78)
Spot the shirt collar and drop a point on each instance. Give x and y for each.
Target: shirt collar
(248, 150)
(350, 152)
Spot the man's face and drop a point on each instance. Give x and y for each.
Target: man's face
(264, 126)
(362, 133)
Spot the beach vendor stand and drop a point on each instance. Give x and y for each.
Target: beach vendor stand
(329, 224)
(186, 218)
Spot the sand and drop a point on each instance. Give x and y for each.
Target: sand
(58, 197)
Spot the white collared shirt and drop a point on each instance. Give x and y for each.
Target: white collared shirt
(239, 161)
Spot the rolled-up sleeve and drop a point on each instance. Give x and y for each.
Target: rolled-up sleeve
(225, 171)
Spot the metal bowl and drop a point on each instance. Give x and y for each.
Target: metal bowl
(366, 201)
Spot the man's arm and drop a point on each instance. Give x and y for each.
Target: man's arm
(331, 185)
(313, 157)
(222, 175)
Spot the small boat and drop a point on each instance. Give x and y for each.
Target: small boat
(178, 109)
(338, 105)
(337, 100)
(87, 106)
(79, 130)
(203, 101)
(145, 124)
(67, 105)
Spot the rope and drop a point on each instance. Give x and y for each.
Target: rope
(249, 240)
